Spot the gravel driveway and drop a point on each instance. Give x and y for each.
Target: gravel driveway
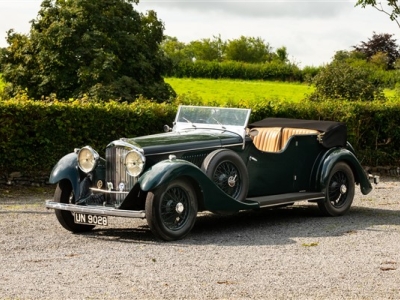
(285, 253)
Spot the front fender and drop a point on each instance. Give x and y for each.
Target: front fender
(343, 155)
(67, 168)
(214, 198)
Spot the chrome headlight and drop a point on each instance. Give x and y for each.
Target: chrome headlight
(87, 159)
(134, 162)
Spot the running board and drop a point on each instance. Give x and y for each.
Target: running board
(97, 210)
(281, 199)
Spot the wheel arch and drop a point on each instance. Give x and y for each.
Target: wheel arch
(67, 168)
(210, 197)
(342, 155)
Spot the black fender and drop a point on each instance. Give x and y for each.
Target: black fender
(336, 155)
(67, 168)
(214, 199)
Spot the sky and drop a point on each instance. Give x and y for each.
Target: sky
(311, 30)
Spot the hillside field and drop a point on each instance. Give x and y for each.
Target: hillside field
(223, 91)
(233, 91)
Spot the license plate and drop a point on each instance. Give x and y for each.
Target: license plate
(90, 219)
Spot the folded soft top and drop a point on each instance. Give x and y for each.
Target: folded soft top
(334, 134)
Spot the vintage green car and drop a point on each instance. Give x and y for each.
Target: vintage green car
(210, 160)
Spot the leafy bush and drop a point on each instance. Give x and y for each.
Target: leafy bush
(341, 80)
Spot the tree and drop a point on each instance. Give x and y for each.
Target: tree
(282, 54)
(392, 5)
(248, 49)
(380, 43)
(175, 50)
(348, 56)
(207, 49)
(101, 48)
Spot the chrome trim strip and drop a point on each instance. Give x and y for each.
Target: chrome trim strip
(186, 150)
(122, 143)
(278, 204)
(108, 192)
(96, 210)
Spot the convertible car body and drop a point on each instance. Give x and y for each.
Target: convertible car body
(210, 160)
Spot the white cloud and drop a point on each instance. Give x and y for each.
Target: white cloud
(312, 31)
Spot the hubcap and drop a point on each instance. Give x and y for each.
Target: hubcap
(179, 208)
(343, 189)
(232, 181)
(175, 208)
(227, 177)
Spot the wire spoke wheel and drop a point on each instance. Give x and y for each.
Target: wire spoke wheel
(228, 178)
(339, 191)
(171, 210)
(64, 194)
(174, 208)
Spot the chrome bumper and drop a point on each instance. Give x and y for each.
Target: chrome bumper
(97, 210)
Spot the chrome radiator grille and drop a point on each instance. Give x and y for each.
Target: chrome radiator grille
(117, 175)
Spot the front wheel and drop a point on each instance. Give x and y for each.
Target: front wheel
(171, 210)
(339, 191)
(64, 194)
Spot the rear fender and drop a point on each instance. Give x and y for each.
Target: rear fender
(213, 197)
(67, 168)
(343, 155)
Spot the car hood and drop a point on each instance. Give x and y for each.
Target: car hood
(184, 140)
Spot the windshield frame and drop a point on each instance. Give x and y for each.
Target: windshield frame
(221, 118)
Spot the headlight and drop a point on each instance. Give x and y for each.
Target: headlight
(87, 159)
(134, 163)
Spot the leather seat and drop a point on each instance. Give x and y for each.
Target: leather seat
(268, 139)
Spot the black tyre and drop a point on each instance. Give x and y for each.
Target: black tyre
(228, 171)
(171, 210)
(339, 192)
(64, 194)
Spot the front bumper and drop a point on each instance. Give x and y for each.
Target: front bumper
(96, 210)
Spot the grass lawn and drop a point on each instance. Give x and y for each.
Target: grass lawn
(229, 90)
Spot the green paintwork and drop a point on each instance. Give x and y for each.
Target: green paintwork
(214, 198)
(67, 168)
(192, 139)
(286, 171)
(335, 155)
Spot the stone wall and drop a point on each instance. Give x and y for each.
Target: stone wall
(20, 179)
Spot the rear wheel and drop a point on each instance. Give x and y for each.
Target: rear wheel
(339, 192)
(171, 210)
(64, 194)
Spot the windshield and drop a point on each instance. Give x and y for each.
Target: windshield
(197, 116)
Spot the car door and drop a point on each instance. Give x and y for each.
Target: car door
(308, 152)
(272, 173)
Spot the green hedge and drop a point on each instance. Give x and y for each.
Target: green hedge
(34, 135)
(272, 71)
(239, 70)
